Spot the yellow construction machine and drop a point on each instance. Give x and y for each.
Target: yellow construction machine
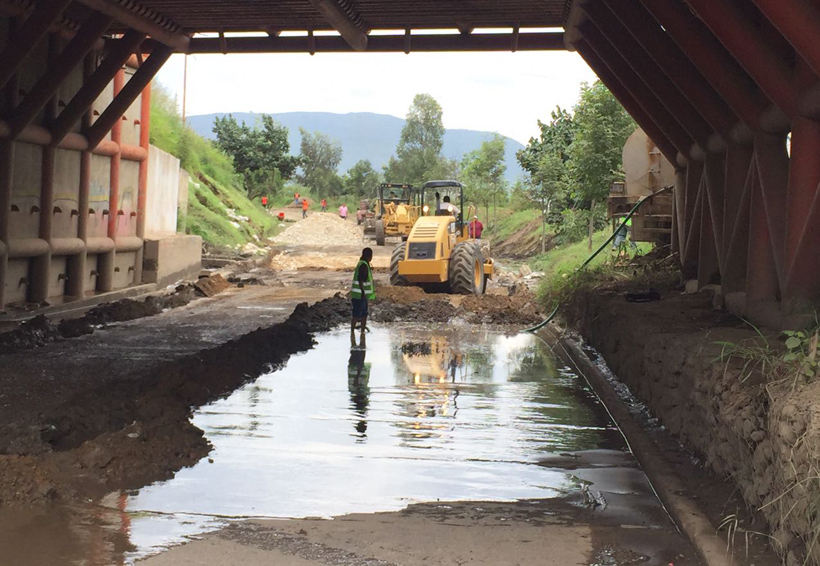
(438, 253)
(397, 207)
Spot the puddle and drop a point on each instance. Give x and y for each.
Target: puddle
(436, 415)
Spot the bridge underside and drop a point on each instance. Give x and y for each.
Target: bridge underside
(728, 90)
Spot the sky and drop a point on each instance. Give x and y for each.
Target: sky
(498, 92)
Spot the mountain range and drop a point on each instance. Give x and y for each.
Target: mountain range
(363, 135)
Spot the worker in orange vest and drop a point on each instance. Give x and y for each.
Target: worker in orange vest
(265, 202)
(305, 205)
(324, 204)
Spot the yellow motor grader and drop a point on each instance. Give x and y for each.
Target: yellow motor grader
(397, 207)
(439, 253)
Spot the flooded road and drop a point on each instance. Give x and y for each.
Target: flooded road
(450, 414)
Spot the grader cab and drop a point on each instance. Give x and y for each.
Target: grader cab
(438, 253)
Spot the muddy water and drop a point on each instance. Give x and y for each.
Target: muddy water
(448, 414)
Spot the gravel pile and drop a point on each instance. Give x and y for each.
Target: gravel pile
(320, 229)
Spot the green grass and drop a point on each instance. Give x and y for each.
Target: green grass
(567, 258)
(214, 187)
(509, 222)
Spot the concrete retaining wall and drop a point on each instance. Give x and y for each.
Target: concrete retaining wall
(162, 193)
(171, 259)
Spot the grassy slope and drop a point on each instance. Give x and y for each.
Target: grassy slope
(215, 189)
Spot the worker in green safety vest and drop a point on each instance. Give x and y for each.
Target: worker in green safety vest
(621, 234)
(362, 291)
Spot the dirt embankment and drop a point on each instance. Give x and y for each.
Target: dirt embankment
(40, 330)
(412, 304)
(131, 433)
(524, 242)
(763, 434)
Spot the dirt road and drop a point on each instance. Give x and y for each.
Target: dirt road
(467, 443)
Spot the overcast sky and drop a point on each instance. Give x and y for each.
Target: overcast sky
(500, 92)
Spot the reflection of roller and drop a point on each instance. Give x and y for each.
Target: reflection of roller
(431, 361)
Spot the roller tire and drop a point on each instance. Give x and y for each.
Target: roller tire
(398, 255)
(464, 261)
(379, 233)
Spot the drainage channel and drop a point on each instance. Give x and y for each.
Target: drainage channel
(448, 414)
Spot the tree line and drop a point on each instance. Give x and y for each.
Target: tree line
(261, 154)
(569, 166)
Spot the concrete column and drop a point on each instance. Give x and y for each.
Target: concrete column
(761, 275)
(105, 280)
(6, 173)
(736, 207)
(714, 172)
(41, 265)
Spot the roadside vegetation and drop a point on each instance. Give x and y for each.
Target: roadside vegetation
(219, 209)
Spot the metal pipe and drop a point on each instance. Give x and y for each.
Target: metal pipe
(105, 262)
(142, 185)
(127, 95)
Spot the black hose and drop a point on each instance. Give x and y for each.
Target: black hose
(638, 204)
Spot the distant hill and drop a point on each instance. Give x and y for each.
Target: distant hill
(363, 135)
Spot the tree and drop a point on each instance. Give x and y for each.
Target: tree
(361, 180)
(258, 153)
(418, 154)
(596, 151)
(483, 172)
(320, 157)
(545, 159)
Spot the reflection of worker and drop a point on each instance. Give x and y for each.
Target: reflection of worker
(305, 205)
(476, 228)
(362, 291)
(624, 230)
(358, 377)
(448, 207)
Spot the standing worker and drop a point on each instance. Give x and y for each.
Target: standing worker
(361, 291)
(343, 212)
(265, 202)
(620, 236)
(475, 227)
(305, 205)
(324, 204)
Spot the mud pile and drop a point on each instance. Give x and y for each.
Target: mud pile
(412, 304)
(321, 229)
(128, 434)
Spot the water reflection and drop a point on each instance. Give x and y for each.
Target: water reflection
(450, 414)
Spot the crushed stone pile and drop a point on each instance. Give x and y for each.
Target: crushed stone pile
(321, 229)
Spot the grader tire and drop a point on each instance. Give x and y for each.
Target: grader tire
(398, 255)
(379, 233)
(466, 274)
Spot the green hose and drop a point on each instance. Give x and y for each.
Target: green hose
(638, 204)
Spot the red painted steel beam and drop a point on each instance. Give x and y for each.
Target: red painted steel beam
(799, 22)
(724, 73)
(548, 41)
(28, 36)
(126, 97)
(681, 71)
(646, 97)
(650, 73)
(94, 85)
(57, 72)
(743, 39)
(628, 102)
